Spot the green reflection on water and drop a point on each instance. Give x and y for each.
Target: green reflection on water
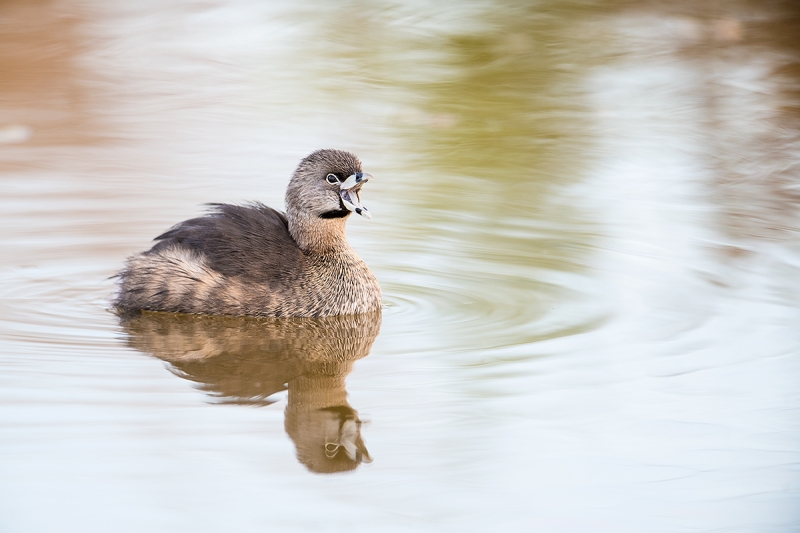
(507, 111)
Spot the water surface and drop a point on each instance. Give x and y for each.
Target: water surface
(585, 227)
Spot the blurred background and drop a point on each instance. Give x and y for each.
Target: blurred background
(585, 227)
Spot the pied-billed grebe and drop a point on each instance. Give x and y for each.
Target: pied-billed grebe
(254, 260)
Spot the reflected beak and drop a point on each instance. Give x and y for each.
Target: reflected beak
(349, 439)
(349, 190)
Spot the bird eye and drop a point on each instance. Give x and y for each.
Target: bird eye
(332, 178)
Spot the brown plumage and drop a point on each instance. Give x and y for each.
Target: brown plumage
(254, 260)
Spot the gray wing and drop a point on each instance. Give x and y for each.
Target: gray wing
(251, 242)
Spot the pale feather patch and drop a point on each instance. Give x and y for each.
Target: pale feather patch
(197, 281)
(178, 278)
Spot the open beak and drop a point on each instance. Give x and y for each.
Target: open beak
(349, 439)
(349, 190)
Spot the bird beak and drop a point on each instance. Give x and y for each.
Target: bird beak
(349, 190)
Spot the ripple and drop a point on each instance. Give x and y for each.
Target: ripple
(69, 311)
(475, 296)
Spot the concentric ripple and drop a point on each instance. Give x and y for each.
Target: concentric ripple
(49, 306)
(462, 290)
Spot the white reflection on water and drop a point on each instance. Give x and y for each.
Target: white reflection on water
(585, 227)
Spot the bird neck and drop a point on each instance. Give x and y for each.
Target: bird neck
(318, 235)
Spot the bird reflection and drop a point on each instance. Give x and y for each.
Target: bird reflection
(247, 360)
